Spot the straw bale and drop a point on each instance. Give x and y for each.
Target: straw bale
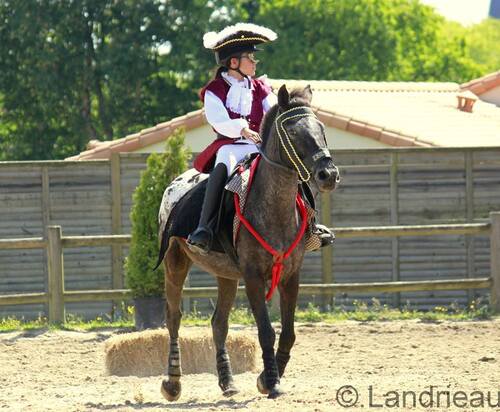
(145, 353)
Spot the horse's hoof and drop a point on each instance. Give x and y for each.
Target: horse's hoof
(231, 390)
(261, 386)
(275, 392)
(171, 390)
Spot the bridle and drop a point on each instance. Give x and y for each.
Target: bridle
(287, 145)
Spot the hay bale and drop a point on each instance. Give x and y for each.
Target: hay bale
(146, 353)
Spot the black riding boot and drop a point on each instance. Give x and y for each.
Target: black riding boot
(201, 239)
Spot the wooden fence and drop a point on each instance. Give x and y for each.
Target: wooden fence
(57, 296)
(380, 187)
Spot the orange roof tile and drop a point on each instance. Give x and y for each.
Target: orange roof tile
(146, 137)
(483, 84)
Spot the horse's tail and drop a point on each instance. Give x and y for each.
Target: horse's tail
(163, 248)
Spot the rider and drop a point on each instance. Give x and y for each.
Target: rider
(235, 103)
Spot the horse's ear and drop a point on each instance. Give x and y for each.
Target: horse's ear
(308, 94)
(283, 97)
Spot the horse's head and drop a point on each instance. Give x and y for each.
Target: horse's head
(302, 139)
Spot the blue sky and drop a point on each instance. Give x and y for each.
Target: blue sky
(464, 11)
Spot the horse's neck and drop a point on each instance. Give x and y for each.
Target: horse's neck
(272, 199)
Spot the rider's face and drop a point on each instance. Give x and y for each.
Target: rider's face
(248, 64)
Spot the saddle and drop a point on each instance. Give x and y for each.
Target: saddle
(240, 182)
(181, 207)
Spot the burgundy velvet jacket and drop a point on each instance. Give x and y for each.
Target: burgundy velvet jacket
(204, 162)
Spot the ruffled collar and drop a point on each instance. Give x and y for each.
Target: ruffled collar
(240, 96)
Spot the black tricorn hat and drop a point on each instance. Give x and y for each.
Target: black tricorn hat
(236, 39)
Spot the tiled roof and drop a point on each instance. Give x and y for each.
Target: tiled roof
(404, 113)
(395, 113)
(146, 137)
(483, 84)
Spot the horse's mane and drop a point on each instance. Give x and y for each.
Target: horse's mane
(297, 98)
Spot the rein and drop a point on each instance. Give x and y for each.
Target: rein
(304, 174)
(278, 257)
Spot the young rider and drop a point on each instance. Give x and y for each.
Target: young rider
(235, 103)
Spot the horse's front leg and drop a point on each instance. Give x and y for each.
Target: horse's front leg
(269, 382)
(288, 302)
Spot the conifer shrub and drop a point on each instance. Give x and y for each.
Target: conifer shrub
(161, 169)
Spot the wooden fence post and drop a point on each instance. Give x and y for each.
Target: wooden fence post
(56, 274)
(116, 228)
(495, 261)
(326, 252)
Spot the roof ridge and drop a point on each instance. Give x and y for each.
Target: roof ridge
(144, 137)
(482, 84)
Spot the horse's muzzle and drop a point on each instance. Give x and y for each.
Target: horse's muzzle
(326, 176)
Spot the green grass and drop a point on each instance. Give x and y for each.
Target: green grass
(362, 312)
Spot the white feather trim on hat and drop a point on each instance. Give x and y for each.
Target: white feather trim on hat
(212, 38)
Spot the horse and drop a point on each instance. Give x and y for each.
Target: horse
(293, 147)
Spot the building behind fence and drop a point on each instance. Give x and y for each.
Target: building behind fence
(379, 187)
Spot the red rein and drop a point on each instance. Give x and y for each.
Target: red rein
(278, 257)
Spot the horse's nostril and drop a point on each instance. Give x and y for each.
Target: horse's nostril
(323, 175)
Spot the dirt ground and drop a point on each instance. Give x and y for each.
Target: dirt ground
(383, 361)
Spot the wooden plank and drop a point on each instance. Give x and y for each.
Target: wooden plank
(469, 211)
(378, 287)
(495, 261)
(56, 275)
(413, 230)
(45, 222)
(116, 225)
(23, 299)
(200, 292)
(96, 240)
(394, 185)
(23, 243)
(326, 252)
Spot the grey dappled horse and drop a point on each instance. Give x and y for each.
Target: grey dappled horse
(294, 146)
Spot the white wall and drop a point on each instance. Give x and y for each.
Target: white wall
(340, 139)
(199, 138)
(492, 96)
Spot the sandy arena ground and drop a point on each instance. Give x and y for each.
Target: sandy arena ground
(64, 371)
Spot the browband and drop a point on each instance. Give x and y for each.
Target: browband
(301, 111)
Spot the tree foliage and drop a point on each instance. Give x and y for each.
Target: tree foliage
(484, 44)
(75, 70)
(381, 40)
(161, 169)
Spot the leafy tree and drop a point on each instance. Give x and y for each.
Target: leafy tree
(161, 169)
(381, 40)
(484, 44)
(71, 71)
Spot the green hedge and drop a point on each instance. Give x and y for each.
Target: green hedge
(161, 169)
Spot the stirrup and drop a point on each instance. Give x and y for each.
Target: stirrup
(200, 240)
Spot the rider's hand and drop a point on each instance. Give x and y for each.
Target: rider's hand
(250, 135)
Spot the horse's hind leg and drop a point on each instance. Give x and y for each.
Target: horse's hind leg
(177, 265)
(226, 294)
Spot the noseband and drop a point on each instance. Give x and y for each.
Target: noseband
(286, 142)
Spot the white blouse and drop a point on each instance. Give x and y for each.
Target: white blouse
(218, 117)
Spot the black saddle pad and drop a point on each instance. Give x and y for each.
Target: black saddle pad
(185, 216)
